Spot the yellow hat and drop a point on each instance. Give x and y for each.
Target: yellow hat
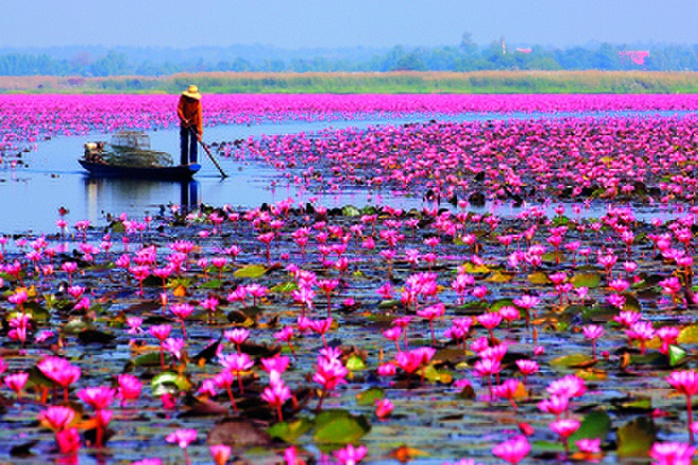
(192, 92)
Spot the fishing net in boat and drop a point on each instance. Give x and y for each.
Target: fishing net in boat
(129, 148)
(136, 158)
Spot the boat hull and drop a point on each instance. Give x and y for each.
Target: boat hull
(179, 172)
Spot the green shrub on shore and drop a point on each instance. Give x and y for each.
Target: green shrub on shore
(480, 82)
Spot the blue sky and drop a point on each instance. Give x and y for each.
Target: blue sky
(344, 23)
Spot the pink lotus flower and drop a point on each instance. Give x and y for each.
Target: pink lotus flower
(686, 383)
(16, 382)
(57, 417)
(68, 440)
(129, 387)
(672, 453)
(220, 453)
(350, 455)
(182, 437)
(275, 395)
(565, 427)
(513, 450)
(182, 311)
(384, 408)
(60, 371)
(97, 397)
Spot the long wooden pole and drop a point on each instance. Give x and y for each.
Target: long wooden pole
(208, 152)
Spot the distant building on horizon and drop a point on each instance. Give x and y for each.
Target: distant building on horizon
(636, 56)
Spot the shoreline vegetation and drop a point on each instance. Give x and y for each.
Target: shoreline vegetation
(403, 82)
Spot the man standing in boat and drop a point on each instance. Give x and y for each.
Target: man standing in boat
(191, 124)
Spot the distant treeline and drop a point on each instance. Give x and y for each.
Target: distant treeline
(477, 82)
(466, 56)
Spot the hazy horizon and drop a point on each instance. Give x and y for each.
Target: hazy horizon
(309, 24)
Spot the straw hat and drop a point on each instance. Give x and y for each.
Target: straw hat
(192, 92)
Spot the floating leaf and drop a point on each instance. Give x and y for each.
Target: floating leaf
(74, 326)
(573, 361)
(688, 335)
(631, 303)
(590, 280)
(150, 359)
(250, 271)
(501, 303)
(500, 277)
(118, 227)
(652, 359)
(212, 284)
(167, 381)
(436, 376)
(290, 431)
(350, 211)
(369, 396)
(288, 286)
(595, 424)
(237, 432)
(336, 426)
(404, 454)
(354, 363)
(179, 291)
(474, 269)
(677, 356)
(636, 437)
(639, 405)
(539, 278)
(386, 304)
(551, 257)
(37, 312)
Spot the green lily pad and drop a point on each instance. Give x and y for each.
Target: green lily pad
(595, 424)
(590, 280)
(636, 437)
(290, 431)
(688, 335)
(369, 396)
(638, 405)
(288, 286)
(392, 303)
(212, 284)
(500, 277)
(631, 303)
(433, 375)
(168, 380)
(151, 359)
(250, 271)
(475, 269)
(354, 363)
(74, 326)
(572, 361)
(37, 312)
(538, 278)
(350, 211)
(677, 356)
(501, 303)
(337, 426)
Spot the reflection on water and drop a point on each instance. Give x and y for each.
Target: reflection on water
(189, 193)
(52, 178)
(135, 196)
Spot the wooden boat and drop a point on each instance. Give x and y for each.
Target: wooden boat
(129, 156)
(174, 173)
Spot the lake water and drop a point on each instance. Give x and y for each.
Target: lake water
(52, 178)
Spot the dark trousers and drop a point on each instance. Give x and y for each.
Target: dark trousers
(188, 145)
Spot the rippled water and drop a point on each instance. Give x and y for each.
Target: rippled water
(52, 178)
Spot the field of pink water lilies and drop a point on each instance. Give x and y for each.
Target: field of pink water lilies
(538, 307)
